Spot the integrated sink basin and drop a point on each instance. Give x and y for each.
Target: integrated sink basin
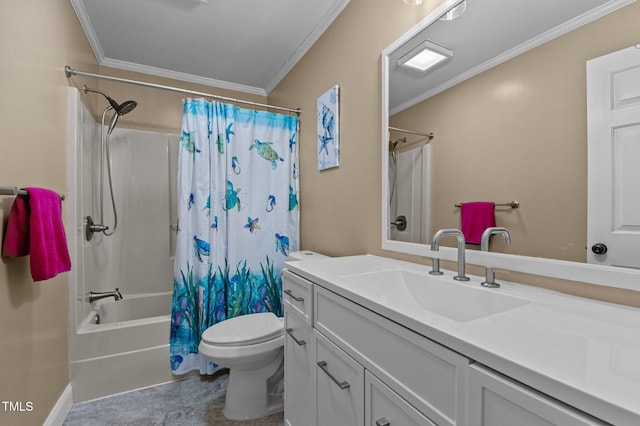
(408, 291)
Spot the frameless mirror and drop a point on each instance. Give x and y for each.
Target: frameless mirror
(507, 109)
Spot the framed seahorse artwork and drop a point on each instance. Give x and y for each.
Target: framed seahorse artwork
(328, 130)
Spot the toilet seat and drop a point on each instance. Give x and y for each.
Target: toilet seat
(244, 330)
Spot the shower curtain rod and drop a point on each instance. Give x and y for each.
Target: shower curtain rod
(70, 71)
(413, 132)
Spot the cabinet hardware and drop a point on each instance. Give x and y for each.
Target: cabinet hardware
(341, 385)
(383, 422)
(296, 298)
(299, 342)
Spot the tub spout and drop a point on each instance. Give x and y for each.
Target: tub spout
(97, 295)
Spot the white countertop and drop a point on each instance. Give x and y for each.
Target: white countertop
(580, 351)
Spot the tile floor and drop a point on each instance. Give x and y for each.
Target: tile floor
(194, 401)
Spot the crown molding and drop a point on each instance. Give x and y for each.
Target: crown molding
(327, 20)
(175, 75)
(85, 22)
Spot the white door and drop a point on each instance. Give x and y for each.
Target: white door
(613, 117)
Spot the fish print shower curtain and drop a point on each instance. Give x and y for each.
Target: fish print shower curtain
(237, 220)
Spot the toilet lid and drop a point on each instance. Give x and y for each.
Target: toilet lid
(244, 330)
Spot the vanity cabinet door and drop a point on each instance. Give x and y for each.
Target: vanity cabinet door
(495, 400)
(339, 386)
(299, 371)
(384, 407)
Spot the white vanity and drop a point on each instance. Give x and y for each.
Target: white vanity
(376, 341)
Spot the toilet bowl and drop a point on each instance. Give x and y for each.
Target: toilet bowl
(252, 348)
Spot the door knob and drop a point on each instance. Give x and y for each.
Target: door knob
(599, 248)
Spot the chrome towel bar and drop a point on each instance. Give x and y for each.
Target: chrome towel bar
(512, 204)
(12, 190)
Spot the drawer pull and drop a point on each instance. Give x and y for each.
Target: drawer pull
(299, 342)
(341, 385)
(383, 422)
(296, 298)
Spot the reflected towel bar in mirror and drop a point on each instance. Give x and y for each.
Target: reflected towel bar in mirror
(413, 132)
(512, 204)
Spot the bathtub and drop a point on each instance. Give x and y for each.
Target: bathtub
(131, 307)
(121, 346)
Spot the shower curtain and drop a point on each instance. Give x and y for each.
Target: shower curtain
(237, 220)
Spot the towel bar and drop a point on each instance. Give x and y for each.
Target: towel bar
(512, 204)
(12, 190)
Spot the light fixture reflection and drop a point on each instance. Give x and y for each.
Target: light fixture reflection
(412, 2)
(426, 55)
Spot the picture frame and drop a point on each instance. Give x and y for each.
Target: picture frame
(328, 129)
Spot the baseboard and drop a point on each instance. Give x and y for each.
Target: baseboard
(59, 412)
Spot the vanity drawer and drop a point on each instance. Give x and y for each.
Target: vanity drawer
(429, 376)
(496, 400)
(384, 407)
(298, 295)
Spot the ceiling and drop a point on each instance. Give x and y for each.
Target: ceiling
(242, 45)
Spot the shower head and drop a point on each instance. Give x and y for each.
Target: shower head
(120, 109)
(126, 107)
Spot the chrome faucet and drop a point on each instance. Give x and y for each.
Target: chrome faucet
(490, 276)
(435, 246)
(97, 295)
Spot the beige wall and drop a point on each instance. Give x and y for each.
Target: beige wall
(37, 38)
(340, 208)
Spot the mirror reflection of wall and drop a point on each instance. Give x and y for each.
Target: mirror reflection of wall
(518, 132)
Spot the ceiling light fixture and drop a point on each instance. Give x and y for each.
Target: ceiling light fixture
(424, 56)
(455, 12)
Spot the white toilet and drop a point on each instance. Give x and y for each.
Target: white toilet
(252, 348)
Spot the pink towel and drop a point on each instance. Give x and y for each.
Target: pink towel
(475, 218)
(16, 239)
(35, 228)
(47, 240)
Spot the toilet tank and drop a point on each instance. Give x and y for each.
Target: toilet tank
(305, 255)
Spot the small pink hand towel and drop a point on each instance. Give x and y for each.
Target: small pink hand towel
(16, 239)
(475, 218)
(47, 239)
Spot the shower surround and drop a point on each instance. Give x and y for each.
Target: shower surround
(116, 346)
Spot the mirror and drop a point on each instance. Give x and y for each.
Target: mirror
(508, 111)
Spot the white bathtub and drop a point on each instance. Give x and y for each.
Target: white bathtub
(131, 307)
(130, 338)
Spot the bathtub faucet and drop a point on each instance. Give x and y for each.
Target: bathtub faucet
(97, 295)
